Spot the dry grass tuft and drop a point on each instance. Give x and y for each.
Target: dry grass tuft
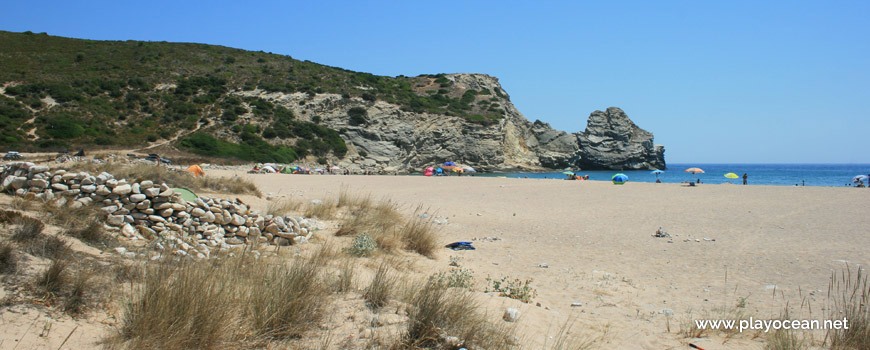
(181, 305)
(385, 225)
(76, 300)
(19, 203)
(419, 236)
(565, 341)
(785, 339)
(323, 210)
(283, 207)
(285, 301)
(344, 282)
(68, 217)
(54, 278)
(27, 230)
(92, 233)
(8, 258)
(437, 311)
(850, 295)
(377, 294)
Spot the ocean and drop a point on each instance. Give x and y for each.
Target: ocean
(838, 175)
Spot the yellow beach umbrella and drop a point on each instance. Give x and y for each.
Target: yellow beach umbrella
(731, 175)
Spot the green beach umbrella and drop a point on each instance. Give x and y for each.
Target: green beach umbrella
(619, 179)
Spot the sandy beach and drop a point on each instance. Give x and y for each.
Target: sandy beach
(588, 242)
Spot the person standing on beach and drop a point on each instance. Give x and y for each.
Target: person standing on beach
(744, 178)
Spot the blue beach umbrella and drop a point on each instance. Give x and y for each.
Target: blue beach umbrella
(619, 179)
(656, 172)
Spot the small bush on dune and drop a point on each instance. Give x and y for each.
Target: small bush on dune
(362, 245)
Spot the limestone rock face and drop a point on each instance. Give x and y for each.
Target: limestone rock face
(612, 141)
(395, 139)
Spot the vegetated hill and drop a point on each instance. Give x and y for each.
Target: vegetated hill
(128, 93)
(60, 93)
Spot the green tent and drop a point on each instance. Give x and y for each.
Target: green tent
(186, 194)
(288, 169)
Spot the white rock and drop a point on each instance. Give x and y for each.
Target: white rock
(121, 250)
(238, 220)
(122, 189)
(511, 314)
(128, 231)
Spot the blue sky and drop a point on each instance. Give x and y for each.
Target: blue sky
(727, 81)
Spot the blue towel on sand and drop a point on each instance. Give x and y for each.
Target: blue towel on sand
(460, 246)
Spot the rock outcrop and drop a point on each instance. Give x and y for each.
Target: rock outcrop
(395, 139)
(612, 141)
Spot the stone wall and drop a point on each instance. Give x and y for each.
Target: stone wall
(146, 210)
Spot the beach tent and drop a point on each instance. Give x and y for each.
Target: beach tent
(428, 171)
(267, 169)
(196, 170)
(619, 179)
(186, 194)
(439, 171)
(287, 170)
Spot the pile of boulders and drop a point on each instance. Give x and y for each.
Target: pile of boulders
(146, 210)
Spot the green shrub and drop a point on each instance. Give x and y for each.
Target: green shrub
(514, 289)
(362, 245)
(357, 115)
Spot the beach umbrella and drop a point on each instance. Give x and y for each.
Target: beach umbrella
(731, 175)
(448, 165)
(568, 173)
(860, 178)
(694, 171)
(470, 169)
(619, 179)
(656, 172)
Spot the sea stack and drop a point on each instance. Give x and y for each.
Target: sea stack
(613, 141)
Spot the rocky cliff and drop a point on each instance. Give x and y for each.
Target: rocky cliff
(394, 139)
